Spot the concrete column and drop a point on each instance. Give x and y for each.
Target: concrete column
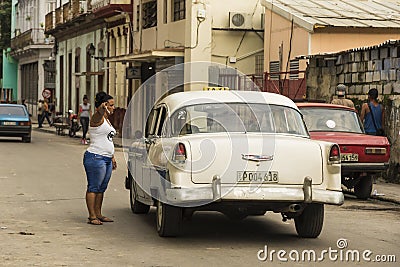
(197, 46)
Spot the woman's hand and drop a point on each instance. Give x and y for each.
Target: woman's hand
(114, 164)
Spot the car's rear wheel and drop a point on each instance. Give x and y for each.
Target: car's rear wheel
(169, 220)
(363, 188)
(309, 222)
(137, 207)
(26, 139)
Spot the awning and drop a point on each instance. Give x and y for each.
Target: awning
(147, 56)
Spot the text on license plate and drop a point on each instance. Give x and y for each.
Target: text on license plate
(348, 157)
(9, 123)
(257, 176)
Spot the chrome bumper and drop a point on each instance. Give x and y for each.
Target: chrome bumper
(217, 192)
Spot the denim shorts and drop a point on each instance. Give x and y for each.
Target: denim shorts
(98, 172)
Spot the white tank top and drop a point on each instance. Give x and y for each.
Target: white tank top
(101, 139)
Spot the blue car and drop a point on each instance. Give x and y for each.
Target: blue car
(15, 122)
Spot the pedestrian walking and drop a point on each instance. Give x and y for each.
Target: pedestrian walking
(372, 114)
(98, 159)
(45, 113)
(40, 112)
(84, 115)
(341, 97)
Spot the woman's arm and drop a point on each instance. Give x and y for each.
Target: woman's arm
(98, 116)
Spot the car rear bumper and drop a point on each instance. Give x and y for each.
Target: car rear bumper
(12, 131)
(364, 167)
(216, 192)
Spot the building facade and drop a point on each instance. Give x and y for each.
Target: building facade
(295, 29)
(31, 48)
(116, 45)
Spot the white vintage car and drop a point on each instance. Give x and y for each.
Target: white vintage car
(241, 153)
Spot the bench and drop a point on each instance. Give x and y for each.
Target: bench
(60, 127)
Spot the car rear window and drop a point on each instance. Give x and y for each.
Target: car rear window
(331, 120)
(9, 110)
(237, 117)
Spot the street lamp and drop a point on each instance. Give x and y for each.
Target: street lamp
(92, 50)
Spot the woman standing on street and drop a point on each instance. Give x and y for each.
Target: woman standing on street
(84, 114)
(99, 158)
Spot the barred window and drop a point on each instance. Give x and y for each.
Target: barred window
(149, 14)
(179, 9)
(259, 66)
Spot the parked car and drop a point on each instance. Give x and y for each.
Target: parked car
(362, 155)
(15, 122)
(236, 152)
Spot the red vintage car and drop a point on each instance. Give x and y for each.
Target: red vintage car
(362, 155)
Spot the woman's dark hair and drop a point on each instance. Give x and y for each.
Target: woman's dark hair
(85, 97)
(101, 97)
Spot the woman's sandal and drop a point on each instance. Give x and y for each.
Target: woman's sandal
(94, 221)
(105, 219)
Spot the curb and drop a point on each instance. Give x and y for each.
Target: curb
(381, 198)
(386, 199)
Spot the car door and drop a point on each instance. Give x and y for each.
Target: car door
(157, 157)
(142, 168)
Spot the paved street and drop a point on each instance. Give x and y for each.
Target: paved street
(43, 221)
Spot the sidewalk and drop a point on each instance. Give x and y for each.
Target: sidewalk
(381, 190)
(386, 192)
(48, 129)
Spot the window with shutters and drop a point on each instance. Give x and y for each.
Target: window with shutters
(149, 14)
(274, 69)
(294, 67)
(179, 9)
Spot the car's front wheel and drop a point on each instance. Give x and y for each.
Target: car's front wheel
(26, 139)
(136, 206)
(169, 220)
(363, 188)
(309, 222)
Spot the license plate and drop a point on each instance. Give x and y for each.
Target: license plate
(257, 176)
(348, 157)
(9, 123)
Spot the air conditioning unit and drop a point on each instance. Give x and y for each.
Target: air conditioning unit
(239, 20)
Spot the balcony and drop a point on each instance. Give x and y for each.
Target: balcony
(59, 16)
(79, 7)
(50, 21)
(108, 8)
(66, 12)
(30, 37)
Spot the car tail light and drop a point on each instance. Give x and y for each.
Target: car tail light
(179, 153)
(334, 154)
(25, 123)
(375, 150)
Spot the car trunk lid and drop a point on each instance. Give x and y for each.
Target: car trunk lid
(255, 158)
(352, 144)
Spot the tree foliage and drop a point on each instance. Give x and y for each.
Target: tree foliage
(5, 24)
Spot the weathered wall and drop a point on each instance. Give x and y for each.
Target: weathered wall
(372, 67)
